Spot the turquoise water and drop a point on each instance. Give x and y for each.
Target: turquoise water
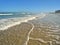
(14, 19)
(12, 16)
(53, 19)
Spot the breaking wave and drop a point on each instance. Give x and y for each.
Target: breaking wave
(6, 23)
(6, 14)
(9, 22)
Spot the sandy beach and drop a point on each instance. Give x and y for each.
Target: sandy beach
(29, 33)
(29, 22)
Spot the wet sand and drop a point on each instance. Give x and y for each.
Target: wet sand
(29, 33)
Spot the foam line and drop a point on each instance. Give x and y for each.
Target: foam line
(10, 24)
(6, 14)
(6, 23)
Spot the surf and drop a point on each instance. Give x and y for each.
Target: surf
(9, 22)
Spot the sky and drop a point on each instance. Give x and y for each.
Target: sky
(29, 5)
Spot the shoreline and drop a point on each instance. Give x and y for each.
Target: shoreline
(26, 34)
(17, 23)
(32, 32)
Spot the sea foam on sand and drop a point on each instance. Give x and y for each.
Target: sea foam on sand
(6, 23)
(7, 14)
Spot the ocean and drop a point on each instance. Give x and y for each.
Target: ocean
(52, 21)
(47, 23)
(10, 19)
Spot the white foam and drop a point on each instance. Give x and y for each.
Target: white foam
(7, 14)
(6, 23)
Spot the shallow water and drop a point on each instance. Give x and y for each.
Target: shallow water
(49, 29)
(7, 21)
(46, 29)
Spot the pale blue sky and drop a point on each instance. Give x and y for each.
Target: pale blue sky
(29, 5)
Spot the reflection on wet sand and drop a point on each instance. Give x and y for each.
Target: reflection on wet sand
(31, 33)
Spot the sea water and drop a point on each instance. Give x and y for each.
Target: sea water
(8, 20)
(51, 25)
